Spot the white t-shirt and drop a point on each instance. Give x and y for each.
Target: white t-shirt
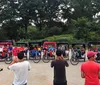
(1, 49)
(20, 72)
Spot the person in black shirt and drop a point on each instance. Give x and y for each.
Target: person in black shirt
(59, 69)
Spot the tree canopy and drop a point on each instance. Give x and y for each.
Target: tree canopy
(49, 17)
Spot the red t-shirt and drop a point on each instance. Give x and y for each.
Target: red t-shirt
(91, 70)
(51, 53)
(15, 51)
(5, 49)
(21, 49)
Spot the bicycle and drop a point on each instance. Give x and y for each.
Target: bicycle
(36, 57)
(75, 58)
(47, 56)
(8, 58)
(4, 56)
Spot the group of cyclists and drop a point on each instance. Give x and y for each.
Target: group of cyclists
(38, 50)
(97, 50)
(46, 50)
(10, 50)
(79, 52)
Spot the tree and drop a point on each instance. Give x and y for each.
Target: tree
(11, 27)
(85, 8)
(82, 27)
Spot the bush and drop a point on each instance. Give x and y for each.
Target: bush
(54, 31)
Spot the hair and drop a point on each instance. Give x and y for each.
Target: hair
(59, 55)
(21, 55)
(58, 52)
(90, 57)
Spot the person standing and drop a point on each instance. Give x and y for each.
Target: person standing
(90, 70)
(20, 69)
(15, 52)
(59, 69)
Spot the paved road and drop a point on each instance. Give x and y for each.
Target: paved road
(42, 74)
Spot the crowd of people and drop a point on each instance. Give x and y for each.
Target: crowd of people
(10, 50)
(97, 50)
(90, 70)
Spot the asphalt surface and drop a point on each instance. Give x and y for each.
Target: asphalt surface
(42, 74)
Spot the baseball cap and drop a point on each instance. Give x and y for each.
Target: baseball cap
(91, 54)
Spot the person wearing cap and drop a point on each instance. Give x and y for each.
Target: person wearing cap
(20, 69)
(59, 69)
(90, 70)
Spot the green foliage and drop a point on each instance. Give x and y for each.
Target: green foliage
(3, 35)
(54, 31)
(93, 36)
(63, 38)
(79, 18)
(81, 28)
(11, 27)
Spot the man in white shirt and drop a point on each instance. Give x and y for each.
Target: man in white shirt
(20, 68)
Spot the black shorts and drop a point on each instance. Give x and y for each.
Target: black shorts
(23, 84)
(64, 83)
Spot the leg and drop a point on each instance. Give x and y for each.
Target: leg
(25, 84)
(65, 83)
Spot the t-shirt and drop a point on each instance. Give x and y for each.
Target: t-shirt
(51, 49)
(59, 70)
(10, 49)
(1, 49)
(21, 49)
(15, 51)
(91, 70)
(5, 49)
(20, 72)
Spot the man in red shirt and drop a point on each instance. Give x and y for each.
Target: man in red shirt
(90, 70)
(21, 48)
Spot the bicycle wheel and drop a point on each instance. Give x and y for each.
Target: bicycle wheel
(74, 61)
(45, 59)
(8, 60)
(36, 59)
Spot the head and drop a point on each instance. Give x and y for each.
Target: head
(59, 54)
(20, 55)
(21, 45)
(91, 55)
(10, 45)
(5, 45)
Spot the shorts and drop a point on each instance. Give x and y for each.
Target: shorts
(64, 83)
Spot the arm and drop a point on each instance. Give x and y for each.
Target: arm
(66, 64)
(29, 67)
(82, 75)
(99, 72)
(82, 72)
(13, 62)
(99, 75)
(52, 64)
